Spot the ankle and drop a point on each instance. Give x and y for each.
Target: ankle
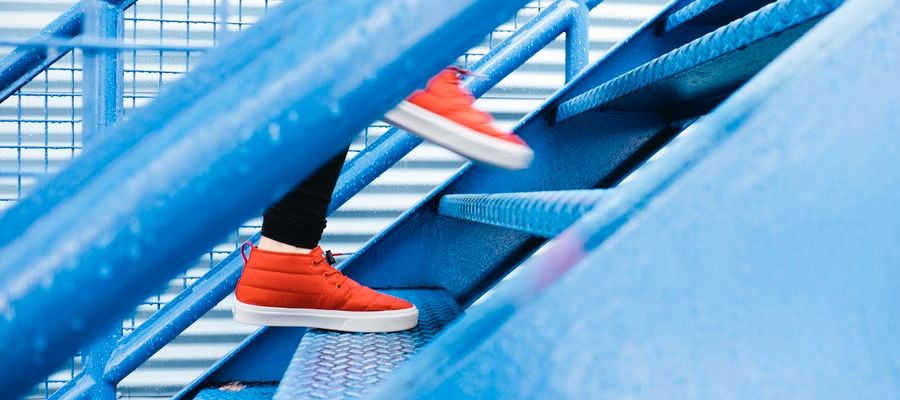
(269, 244)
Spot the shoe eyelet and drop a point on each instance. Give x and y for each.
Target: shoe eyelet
(338, 286)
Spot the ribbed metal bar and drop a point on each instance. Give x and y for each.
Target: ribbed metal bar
(712, 12)
(690, 11)
(767, 22)
(164, 184)
(540, 213)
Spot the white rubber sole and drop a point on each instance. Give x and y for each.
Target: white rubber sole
(347, 321)
(458, 138)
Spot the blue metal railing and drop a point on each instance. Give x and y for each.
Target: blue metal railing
(564, 16)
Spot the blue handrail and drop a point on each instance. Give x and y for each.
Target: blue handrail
(141, 189)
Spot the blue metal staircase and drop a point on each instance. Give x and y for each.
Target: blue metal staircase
(593, 147)
(639, 123)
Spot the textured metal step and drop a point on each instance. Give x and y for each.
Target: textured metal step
(337, 365)
(710, 66)
(239, 391)
(712, 12)
(541, 213)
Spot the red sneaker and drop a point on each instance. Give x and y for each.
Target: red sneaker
(443, 114)
(283, 289)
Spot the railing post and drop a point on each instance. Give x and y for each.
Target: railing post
(101, 107)
(577, 39)
(102, 72)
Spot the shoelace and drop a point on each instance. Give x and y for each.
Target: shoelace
(328, 258)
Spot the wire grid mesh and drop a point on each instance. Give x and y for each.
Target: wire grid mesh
(40, 125)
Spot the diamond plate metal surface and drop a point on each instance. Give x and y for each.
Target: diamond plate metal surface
(337, 365)
(238, 390)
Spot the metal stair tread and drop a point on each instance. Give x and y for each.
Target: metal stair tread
(770, 22)
(330, 364)
(712, 12)
(540, 213)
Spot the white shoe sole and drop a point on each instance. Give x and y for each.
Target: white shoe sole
(458, 138)
(347, 321)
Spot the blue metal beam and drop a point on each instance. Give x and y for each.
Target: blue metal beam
(146, 213)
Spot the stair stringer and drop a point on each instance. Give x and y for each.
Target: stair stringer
(762, 266)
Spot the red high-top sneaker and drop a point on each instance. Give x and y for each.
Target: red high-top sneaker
(283, 289)
(443, 114)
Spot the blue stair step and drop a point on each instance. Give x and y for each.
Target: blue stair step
(337, 365)
(709, 67)
(540, 213)
(238, 391)
(712, 12)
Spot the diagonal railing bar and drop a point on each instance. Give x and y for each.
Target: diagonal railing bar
(104, 239)
(202, 295)
(27, 61)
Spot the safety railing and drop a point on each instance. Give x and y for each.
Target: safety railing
(114, 357)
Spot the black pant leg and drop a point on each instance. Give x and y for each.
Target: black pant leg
(298, 219)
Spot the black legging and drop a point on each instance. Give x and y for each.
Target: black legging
(298, 219)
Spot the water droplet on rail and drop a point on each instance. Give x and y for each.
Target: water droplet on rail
(275, 132)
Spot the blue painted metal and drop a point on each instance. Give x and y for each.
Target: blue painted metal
(577, 38)
(561, 16)
(95, 44)
(751, 42)
(102, 73)
(712, 12)
(194, 302)
(205, 293)
(576, 155)
(102, 107)
(544, 214)
(725, 286)
(338, 365)
(25, 62)
(168, 185)
(385, 152)
(238, 391)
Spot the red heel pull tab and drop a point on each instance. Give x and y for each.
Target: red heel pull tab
(244, 256)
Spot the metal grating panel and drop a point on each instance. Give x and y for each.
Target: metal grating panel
(336, 365)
